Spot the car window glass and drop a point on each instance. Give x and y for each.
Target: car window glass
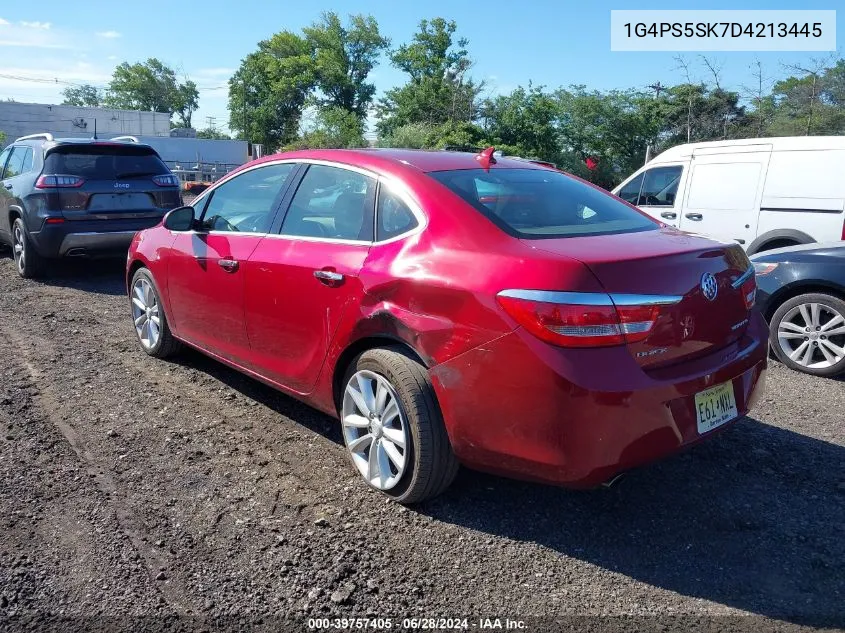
(16, 162)
(27, 161)
(660, 186)
(246, 202)
(104, 162)
(394, 216)
(332, 202)
(540, 203)
(3, 156)
(631, 191)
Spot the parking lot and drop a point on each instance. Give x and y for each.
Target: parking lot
(134, 487)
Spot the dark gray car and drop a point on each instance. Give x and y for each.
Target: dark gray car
(801, 292)
(79, 197)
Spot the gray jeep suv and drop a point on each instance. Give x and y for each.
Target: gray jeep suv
(79, 197)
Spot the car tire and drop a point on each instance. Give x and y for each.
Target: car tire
(28, 262)
(155, 338)
(788, 334)
(429, 465)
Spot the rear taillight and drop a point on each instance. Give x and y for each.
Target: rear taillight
(749, 292)
(843, 230)
(166, 180)
(57, 181)
(584, 319)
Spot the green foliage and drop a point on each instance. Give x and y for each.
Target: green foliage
(335, 127)
(812, 104)
(523, 123)
(85, 95)
(268, 92)
(2, 138)
(459, 135)
(437, 91)
(211, 133)
(152, 86)
(344, 58)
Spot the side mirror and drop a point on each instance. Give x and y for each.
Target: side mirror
(179, 219)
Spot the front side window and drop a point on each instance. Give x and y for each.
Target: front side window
(660, 186)
(332, 202)
(631, 191)
(538, 203)
(394, 216)
(247, 202)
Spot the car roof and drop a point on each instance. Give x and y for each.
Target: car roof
(777, 144)
(389, 159)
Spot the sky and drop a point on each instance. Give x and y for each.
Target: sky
(548, 42)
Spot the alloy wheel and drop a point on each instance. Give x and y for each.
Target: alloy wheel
(19, 248)
(812, 335)
(145, 312)
(375, 429)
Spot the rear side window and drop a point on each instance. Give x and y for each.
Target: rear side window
(394, 216)
(539, 203)
(334, 203)
(104, 162)
(631, 191)
(20, 162)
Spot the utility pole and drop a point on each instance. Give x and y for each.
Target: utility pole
(211, 122)
(658, 88)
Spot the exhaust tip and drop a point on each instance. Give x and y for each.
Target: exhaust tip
(76, 252)
(610, 483)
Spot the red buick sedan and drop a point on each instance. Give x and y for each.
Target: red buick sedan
(457, 308)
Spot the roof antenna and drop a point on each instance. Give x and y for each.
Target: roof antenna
(95, 129)
(486, 157)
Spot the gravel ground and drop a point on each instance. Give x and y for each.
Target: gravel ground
(151, 494)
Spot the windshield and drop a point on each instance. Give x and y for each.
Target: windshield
(104, 162)
(540, 203)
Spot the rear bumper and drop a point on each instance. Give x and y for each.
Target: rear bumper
(518, 407)
(97, 238)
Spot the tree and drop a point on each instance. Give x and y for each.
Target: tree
(2, 138)
(212, 133)
(335, 127)
(344, 58)
(85, 95)
(438, 90)
(152, 86)
(186, 102)
(268, 92)
(813, 102)
(523, 123)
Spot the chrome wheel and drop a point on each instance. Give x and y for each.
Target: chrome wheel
(375, 429)
(812, 335)
(19, 248)
(145, 313)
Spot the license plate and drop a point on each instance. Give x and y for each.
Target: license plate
(120, 201)
(715, 406)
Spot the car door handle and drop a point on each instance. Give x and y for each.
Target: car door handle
(669, 215)
(229, 265)
(697, 217)
(8, 185)
(328, 277)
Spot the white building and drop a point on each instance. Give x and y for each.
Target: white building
(20, 119)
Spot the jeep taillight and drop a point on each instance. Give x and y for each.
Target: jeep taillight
(58, 181)
(166, 180)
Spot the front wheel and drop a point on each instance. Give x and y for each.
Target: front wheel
(148, 317)
(393, 428)
(807, 333)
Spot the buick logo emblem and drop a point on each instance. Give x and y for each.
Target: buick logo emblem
(709, 286)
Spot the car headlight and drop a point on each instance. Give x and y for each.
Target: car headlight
(763, 268)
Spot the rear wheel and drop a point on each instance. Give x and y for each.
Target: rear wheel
(149, 318)
(807, 333)
(28, 262)
(393, 428)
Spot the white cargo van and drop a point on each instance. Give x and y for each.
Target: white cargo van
(762, 193)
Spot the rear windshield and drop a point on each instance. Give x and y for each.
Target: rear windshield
(104, 162)
(540, 203)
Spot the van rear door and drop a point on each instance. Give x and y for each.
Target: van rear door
(724, 191)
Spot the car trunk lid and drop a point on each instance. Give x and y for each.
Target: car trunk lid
(674, 269)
